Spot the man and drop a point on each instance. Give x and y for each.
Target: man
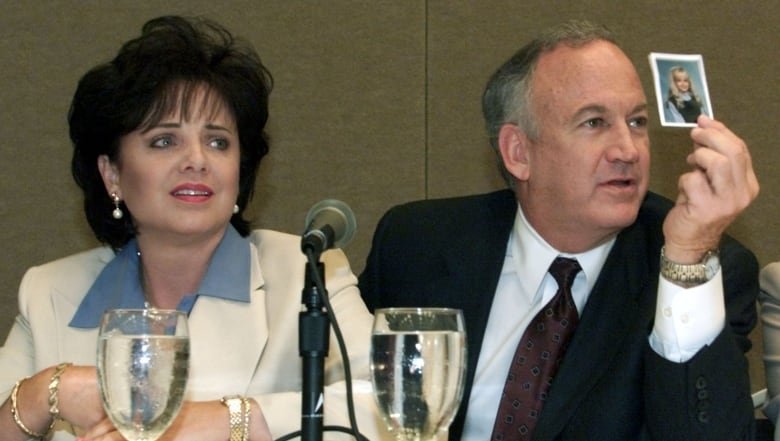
(658, 348)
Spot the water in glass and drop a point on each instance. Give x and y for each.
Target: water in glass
(417, 365)
(143, 364)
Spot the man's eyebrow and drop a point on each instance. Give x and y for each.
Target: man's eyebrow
(640, 108)
(601, 109)
(588, 109)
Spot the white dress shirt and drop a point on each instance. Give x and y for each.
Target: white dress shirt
(685, 318)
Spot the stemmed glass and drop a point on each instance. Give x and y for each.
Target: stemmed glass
(418, 358)
(143, 364)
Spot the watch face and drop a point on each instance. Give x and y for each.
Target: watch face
(711, 265)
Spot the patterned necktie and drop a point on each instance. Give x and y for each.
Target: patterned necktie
(537, 358)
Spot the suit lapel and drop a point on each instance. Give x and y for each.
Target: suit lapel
(611, 312)
(74, 344)
(227, 339)
(476, 265)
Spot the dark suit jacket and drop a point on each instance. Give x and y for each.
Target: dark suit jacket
(611, 384)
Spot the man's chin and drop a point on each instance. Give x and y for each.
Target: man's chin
(621, 215)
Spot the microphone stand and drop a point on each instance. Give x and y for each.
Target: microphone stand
(313, 339)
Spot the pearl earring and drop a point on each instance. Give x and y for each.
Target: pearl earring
(117, 213)
(235, 209)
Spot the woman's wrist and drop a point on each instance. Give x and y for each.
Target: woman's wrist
(54, 392)
(16, 414)
(240, 414)
(258, 427)
(35, 402)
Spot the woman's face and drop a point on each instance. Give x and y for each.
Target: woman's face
(179, 177)
(682, 81)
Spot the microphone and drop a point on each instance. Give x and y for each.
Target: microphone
(330, 223)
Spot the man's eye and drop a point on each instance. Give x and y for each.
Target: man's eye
(638, 122)
(595, 122)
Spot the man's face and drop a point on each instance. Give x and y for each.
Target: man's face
(589, 166)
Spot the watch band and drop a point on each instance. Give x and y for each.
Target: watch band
(686, 275)
(238, 408)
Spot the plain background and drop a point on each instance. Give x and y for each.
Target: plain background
(375, 103)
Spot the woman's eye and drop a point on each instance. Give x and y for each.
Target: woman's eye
(219, 143)
(162, 142)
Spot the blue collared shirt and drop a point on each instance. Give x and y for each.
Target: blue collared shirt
(119, 284)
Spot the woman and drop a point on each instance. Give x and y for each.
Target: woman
(168, 137)
(769, 300)
(682, 103)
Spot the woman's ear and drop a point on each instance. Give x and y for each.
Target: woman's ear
(513, 144)
(110, 174)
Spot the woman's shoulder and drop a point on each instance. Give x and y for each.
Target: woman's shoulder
(77, 262)
(60, 282)
(75, 269)
(770, 279)
(278, 246)
(265, 238)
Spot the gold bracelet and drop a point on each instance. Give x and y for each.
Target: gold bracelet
(15, 412)
(247, 408)
(54, 388)
(237, 412)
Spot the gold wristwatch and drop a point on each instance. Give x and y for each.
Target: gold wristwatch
(690, 275)
(235, 405)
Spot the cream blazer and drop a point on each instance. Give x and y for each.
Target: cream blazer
(236, 348)
(769, 300)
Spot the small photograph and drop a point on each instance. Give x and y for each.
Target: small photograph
(680, 88)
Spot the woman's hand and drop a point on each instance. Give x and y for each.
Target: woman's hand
(78, 401)
(102, 431)
(79, 397)
(210, 421)
(197, 421)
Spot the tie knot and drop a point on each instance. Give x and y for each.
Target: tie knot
(564, 270)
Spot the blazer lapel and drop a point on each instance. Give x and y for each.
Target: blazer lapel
(611, 312)
(226, 340)
(74, 344)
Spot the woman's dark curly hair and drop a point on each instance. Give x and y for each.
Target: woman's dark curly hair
(151, 77)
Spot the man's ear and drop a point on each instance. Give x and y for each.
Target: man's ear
(110, 175)
(514, 144)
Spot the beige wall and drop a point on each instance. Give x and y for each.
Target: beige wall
(375, 103)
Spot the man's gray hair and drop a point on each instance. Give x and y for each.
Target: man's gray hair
(507, 96)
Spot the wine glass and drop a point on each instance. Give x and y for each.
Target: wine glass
(418, 358)
(143, 364)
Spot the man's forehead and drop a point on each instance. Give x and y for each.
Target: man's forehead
(594, 79)
(586, 74)
(599, 55)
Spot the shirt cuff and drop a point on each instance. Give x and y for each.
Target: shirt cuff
(686, 320)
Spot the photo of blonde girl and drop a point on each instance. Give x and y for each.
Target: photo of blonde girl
(682, 102)
(680, 88)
